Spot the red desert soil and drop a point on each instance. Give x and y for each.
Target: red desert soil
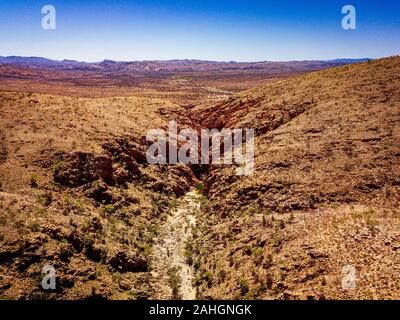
(186, 82)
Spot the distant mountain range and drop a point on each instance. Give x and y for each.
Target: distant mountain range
(173, 65)
(351, 60)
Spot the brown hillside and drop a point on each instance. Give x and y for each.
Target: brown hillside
(76, 192)
(325, 192)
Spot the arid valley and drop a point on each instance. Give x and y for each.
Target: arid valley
(77, 193)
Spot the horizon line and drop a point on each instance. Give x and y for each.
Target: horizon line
(190, 59)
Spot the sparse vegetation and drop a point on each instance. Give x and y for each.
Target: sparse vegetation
(243, 286)
(276, 240)
(108, 209)
(174, 281)
(189, 251)
(172, 204)
(34, 180)
(34, 226)
(208, 278)
(257, 254)
(44, 199)
(88, 240)
(200, 188)
(116, 277)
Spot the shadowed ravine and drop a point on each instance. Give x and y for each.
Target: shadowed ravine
(168, 259)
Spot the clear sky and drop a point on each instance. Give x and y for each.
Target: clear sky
(224, 30)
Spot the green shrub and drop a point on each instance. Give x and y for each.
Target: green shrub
(174, 281)
(172, 204)
(257, 254)
(208, 278)
(244, 286)
(371, 222)
(88, 240)
(108, 208)
(44, 199)
(116, 277)
(276, 240)
(34, 226)
(34, 180)
(189, 252)
(200, 188)
(58, 165)
(264, 221)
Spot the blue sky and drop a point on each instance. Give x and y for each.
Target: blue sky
(221, 30)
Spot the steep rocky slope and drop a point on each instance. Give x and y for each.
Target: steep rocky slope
(325, 193)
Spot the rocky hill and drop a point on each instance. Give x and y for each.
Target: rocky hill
(76, 193)
(324, 195)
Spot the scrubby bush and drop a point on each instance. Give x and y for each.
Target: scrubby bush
(257, 254)
(244, 286)
(44, 199)
(174, 281)
(34, 180)
(108, 209)
(200, 188)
